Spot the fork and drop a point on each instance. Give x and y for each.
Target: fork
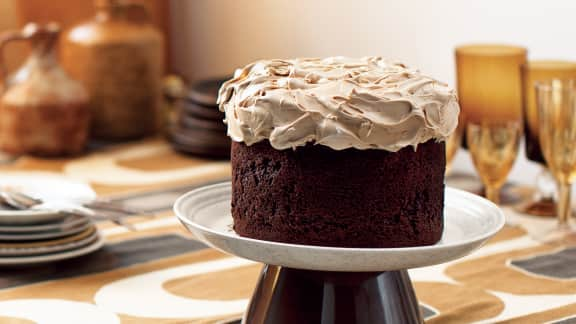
(23, 201)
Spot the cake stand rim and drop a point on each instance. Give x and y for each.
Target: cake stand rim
(467, 246)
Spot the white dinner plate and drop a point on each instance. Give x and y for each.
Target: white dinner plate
(37, 259)
(63, 224)
(25, 217)
(42, 250)
(46, 186)
(469, 221)
(44, 235)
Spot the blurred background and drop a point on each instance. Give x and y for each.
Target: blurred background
(215, 36)
(207, 38)
(210, 38)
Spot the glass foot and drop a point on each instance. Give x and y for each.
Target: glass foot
(542, 207)
(510, 194)
(565, 234)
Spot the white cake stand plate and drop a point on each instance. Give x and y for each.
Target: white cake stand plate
(303, 283)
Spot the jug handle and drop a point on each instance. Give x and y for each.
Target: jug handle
(8, 37)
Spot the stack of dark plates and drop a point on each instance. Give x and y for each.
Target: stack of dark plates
(198, 127)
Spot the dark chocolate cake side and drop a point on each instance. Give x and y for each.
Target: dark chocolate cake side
(350, 198)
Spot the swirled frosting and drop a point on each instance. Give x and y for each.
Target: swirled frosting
(367, 103)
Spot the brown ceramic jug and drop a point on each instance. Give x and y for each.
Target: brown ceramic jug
(118, 57)
(43, 111)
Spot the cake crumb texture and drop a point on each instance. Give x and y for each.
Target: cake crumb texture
(350, 198)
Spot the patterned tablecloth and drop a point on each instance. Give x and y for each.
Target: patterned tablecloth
(158, 274)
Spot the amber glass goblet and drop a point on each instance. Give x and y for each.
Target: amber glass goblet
(542, 203)
(490, 90)
(556, 102)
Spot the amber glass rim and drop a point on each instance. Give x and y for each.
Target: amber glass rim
(550, 65)
(491, 50)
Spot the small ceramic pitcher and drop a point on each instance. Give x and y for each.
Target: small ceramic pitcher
(42, 111)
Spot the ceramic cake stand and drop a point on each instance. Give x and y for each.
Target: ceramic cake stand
(312, 284)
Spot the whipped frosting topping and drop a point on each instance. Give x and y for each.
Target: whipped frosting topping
(367, 103)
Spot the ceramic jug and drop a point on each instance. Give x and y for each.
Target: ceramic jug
(117, 55)
(42, 110)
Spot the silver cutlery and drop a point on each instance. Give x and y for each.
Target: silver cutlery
(21, 201)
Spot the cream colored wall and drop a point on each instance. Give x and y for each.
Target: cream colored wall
(213, 37)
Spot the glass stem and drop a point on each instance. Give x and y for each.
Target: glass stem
(564, 205)
(545, 185)
(493, 193)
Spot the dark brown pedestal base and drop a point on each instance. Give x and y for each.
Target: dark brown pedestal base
(285, 295)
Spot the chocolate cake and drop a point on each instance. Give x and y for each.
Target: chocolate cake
(338, 152)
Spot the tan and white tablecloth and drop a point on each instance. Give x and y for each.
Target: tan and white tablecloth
(159, 274)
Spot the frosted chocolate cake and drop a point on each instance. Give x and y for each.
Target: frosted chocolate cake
(338, 151)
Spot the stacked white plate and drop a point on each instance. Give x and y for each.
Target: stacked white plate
(37, 236)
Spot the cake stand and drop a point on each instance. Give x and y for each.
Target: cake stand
(314, 284)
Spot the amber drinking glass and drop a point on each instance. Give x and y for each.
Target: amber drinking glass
(540, 71)
(490, 91)
(556, 102)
